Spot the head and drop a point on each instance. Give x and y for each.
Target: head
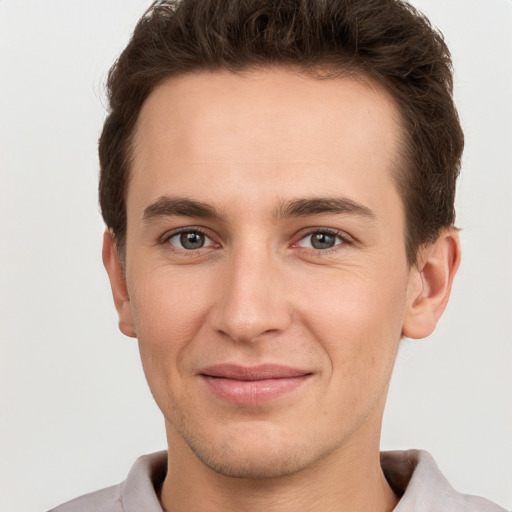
(386, 41)
(270, 182)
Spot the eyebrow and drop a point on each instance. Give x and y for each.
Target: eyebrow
(166, 206)
(319, 205)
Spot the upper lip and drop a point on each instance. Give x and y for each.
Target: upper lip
(259, 372)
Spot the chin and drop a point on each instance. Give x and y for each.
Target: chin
(256, 454)
(247, 464)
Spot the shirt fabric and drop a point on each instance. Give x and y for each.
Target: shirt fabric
(412, 474)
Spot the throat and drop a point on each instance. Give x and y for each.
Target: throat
(307, 490)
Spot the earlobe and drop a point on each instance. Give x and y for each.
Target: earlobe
(118, 284)
(430, 284)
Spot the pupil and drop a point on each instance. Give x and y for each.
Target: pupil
(323, 240)
(192, 240)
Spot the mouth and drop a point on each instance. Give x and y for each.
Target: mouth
(253, 385)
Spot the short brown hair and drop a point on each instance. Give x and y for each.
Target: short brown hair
(385, 40)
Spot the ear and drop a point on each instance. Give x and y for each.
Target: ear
(430, 284)
(117, 278)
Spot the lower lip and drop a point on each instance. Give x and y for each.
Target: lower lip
(253, 392)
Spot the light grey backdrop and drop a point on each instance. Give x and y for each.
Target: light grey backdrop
(75, 409)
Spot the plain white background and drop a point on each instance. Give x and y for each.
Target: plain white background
(75, 409)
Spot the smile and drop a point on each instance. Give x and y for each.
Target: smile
(252, 385)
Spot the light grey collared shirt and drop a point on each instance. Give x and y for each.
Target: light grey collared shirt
(412, 474)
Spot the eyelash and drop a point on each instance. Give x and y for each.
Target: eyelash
(192, 230)
(343, 238)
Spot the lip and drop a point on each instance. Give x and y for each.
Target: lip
(254, 385)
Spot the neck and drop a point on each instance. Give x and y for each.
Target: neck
(349, 479)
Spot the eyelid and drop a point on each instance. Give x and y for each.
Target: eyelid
(342, 235)
(164, 240)
(303, 233)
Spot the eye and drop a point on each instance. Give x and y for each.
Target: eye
(321, 240)
(190, 240)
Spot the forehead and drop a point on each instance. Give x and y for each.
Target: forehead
(260, 130)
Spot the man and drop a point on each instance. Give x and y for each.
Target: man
(277, 180)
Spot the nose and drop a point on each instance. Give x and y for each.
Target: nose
(252, 302)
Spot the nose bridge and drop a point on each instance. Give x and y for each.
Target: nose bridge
(252, 300)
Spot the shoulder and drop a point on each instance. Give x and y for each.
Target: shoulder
(139, 492)
(105, 500)
(414, 475)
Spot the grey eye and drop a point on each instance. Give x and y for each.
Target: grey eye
(320, 240)
(190, 240)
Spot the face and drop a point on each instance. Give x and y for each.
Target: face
(266, 274)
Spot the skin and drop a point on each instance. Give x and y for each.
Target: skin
(248, 147)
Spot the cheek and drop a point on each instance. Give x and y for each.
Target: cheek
(168, 311)
(168, 307)
(358, 319)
